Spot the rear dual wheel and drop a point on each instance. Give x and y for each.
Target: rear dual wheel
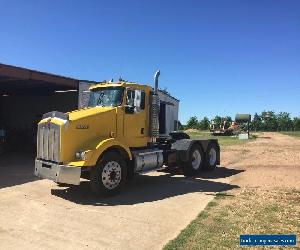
(195, 162)
(199, 161)
(211, 156)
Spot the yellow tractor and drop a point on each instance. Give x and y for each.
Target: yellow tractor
(116, 136)
(224, 128)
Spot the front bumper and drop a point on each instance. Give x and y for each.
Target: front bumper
(58, 173)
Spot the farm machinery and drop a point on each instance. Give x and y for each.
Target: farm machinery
(223, 128)
(228, 128)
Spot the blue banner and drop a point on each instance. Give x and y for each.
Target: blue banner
(268, 240)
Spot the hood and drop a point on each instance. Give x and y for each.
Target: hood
(86, 112)
(84, 128)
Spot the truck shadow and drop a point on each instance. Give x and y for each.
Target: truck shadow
(219, 172)
(146, 188)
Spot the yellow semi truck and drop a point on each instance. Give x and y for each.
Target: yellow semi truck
(116, 136)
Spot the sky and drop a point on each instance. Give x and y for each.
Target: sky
(217, 57)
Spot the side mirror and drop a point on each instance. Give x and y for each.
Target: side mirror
(129, 109)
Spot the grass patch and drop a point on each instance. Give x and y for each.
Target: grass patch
(247, 212)
(295, 134)
(223, 140)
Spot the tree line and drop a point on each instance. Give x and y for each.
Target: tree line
(265, 121)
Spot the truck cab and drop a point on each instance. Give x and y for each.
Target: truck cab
(115, 136)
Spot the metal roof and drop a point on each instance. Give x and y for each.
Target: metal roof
(14, 79)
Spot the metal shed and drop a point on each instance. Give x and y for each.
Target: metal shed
(25, 95)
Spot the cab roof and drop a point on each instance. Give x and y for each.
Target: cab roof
(119, 84)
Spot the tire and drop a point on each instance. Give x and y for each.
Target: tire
(108, 177)
(211, 155)
(195, 162)
(130, 171)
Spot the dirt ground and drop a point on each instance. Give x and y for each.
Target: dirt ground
(38, 214)
(273, 160)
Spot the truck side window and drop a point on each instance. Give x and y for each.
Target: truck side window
(143, 100)
(136, 98)
(130, 97)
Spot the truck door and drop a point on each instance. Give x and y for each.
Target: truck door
(135, 118)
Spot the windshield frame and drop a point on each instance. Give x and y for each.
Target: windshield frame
(120, 99)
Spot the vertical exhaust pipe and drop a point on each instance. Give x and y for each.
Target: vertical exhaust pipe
(154, 110)
(157, 74)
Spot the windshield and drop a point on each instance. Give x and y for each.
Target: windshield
(106, 97)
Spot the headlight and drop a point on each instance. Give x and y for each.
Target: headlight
(80, 155)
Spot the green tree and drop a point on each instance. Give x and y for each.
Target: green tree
(284, 121)
(256, 123)
(218, 121)
(296, 123)
(269, 122)
(192, 123)
(204, 124)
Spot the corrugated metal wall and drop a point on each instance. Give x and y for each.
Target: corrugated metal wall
(172, 109)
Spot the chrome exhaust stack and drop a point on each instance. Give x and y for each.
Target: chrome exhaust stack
(154, 110)
(156, 75)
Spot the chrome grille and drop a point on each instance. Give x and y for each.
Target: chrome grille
(48, 142)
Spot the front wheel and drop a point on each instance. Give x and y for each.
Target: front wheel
(109, 175)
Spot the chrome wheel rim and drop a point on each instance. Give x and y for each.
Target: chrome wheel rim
(111, 175)
(212, 156)
(196, 159)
